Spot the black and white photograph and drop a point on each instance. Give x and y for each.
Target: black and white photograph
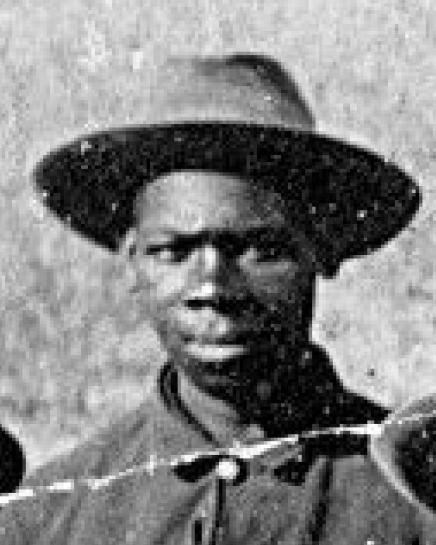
(218, 272)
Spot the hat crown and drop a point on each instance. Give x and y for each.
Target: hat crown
(247, 88)
(241, 114)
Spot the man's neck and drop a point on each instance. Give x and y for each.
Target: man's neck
(244, 409)
(220, 417)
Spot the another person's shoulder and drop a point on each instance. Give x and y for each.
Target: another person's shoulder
(360, 494)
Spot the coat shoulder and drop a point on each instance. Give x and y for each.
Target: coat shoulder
(106, 448)
(108, 451)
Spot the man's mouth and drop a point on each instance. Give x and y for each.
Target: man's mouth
(214, 351)
(226, 306)
(216, 341)
(213, 329)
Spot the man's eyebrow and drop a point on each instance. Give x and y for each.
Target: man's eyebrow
(249, 231)
(248, 237)
(270, 235)
(173, 234)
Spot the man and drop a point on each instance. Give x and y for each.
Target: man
(226, 205)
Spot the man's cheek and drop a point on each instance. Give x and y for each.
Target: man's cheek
(161, 316)
(159, 288)
(272, 290)
(282, 307)
(168, 281)
(159, 304)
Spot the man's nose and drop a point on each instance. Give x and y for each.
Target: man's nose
(216, 267)
(209, 277)
(212, 262)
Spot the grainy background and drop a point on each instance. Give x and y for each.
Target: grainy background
(74, 353)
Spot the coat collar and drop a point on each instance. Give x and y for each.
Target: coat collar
(320, 401)
(317, 401)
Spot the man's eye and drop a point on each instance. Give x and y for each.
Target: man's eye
(263, 253)
(269, 252)
(168, 253)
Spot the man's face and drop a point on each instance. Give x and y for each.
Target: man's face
(219, 272)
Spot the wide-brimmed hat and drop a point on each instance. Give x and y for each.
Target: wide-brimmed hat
(240, 114)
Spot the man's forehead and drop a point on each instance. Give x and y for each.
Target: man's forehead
(196, 200)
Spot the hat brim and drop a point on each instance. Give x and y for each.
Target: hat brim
(350, 199)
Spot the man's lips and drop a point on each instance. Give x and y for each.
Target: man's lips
(214, 351)
(210, 325)
(219, 304)
(216, 347)
(234, 337)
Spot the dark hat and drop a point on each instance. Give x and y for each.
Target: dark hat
(240, 114)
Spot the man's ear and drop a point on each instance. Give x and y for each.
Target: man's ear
(126, 251)
(127, 247)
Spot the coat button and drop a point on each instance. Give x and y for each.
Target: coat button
(227, 469)
(231, 470)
